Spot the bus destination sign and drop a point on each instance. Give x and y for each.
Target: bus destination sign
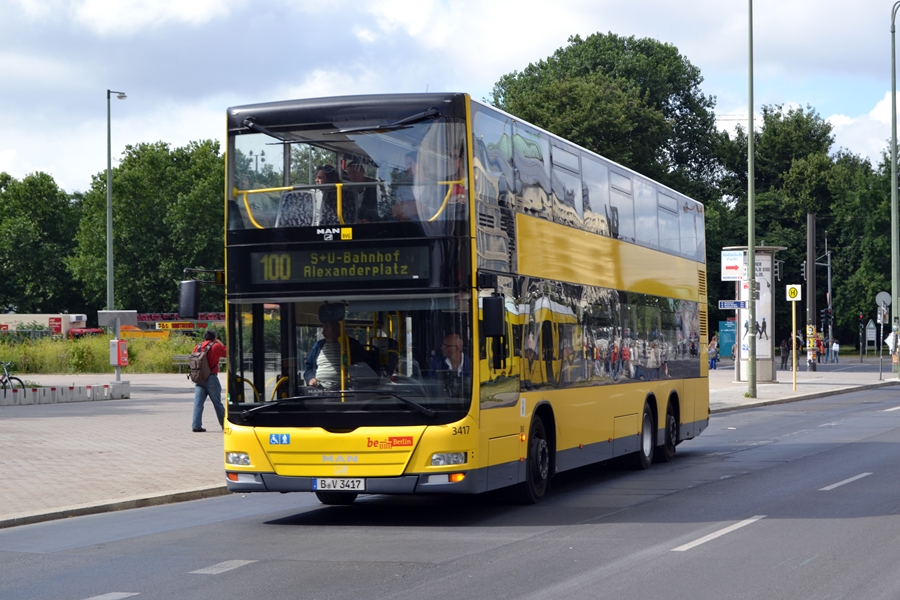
(360, 264)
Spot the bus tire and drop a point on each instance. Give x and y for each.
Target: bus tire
(646, 442)
(336, 498)
(537, 466)
(666, 452)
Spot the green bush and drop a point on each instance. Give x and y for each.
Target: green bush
(91, 355)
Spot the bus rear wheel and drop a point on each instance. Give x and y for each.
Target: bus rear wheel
(336, 498)
(666, 452)
(644, 456)
(537, 467)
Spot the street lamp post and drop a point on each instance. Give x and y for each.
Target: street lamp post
(751, 225)
(109, 220)
(895, 213)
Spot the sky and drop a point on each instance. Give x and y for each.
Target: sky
(182, 63)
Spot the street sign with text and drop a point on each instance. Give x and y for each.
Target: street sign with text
(732, 265)
(732, 304)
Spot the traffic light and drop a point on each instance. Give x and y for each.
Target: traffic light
(823, 319)
(803, 270)
(828, 318)
(778, 269)
(861, 319)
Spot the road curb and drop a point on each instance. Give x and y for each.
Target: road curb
(823, 394)
(114, 506)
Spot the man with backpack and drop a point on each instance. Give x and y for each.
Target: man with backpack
(211, 350)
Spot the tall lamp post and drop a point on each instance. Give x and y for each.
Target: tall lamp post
(751, 226)
(110, 305)
(895, 219)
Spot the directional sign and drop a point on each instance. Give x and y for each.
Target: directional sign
(732, 304)
(794, 293)
(732, 265)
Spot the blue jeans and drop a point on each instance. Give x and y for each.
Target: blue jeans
(212, 388)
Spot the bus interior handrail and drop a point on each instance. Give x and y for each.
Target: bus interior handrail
(340, 203)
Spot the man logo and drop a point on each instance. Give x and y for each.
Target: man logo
(340, 458)
(341, 470)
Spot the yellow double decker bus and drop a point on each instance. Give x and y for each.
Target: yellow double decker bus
(426, 295)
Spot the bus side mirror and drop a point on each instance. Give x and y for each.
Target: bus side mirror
(492, 309)
(189, 299)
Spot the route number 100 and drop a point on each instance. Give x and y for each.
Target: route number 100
(276, 267)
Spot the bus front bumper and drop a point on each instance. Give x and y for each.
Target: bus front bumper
(405, 484)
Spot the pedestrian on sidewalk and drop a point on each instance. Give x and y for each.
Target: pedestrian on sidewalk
(785, 354)
(835, 351)
(215, 350)
(713, 351)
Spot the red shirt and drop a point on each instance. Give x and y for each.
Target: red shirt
(214, 355)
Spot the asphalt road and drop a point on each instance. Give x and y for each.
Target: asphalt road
(791, 501)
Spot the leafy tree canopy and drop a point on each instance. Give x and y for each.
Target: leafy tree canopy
(38, 221)
(654, 118)
(168, 214)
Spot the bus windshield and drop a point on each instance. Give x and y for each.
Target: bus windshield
(351, 362)
(351, 172)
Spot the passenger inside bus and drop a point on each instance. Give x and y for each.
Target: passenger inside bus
(404, 208)
(366, 197)
(455, 360)
(326, 201)
(455, 371)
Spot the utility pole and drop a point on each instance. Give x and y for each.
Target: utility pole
(811, 288)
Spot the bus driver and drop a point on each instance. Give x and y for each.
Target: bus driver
(323, 364)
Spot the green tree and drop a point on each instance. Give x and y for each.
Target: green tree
(38, 221)
(656, 120)
(794, 175)
(168, 215)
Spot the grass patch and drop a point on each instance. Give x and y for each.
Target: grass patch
(91, 355)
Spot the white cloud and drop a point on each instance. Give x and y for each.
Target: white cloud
(79, 151)
(322, 83)
(122, 17)
(868, 134)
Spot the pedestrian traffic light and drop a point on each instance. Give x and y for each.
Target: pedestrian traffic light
(828, 318)
(803, 270)
(860, 319)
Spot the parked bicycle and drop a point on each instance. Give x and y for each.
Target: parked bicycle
(7, 381)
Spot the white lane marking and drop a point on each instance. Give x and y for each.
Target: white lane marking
(718, 533)
(840, 483)
(892, 409)
(223, 566)
(114, 596)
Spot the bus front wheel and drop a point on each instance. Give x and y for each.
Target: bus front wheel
(336, 498)
(537, 466)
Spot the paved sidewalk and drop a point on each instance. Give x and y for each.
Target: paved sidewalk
(62, 460)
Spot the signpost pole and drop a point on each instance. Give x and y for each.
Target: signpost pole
(794, 343)
(880, 342)
(737, 341)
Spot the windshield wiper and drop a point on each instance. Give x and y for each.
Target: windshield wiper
(422, 409)
(250, 412)
(401, 124)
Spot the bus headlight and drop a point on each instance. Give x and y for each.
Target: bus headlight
(442, 459)
(237, 458)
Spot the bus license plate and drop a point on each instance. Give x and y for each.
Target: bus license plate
(338, 484)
